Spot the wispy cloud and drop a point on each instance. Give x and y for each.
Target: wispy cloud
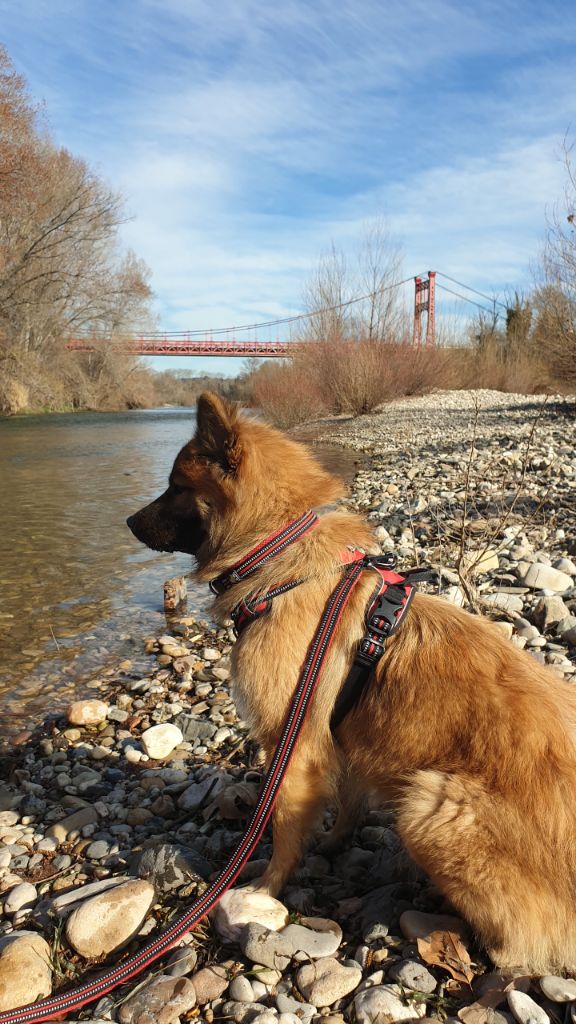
(246, 136)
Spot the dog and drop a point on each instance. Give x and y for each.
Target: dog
(470, 740)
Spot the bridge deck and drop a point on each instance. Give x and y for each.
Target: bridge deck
(167, 346)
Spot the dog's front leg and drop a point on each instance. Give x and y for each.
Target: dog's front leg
(303, 795)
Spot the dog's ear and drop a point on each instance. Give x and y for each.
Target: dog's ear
(217, 433)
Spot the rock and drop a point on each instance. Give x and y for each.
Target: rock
(195, 728)
(413, 975)
(162, 1001)
(549, 610)
(211, 654)
(565, 565)
(238, 907)
(168, 866)
(107, 922)
(287, 1004)
(504, 602)
(210, 983)
(87, 712)
(264, 1017)
(559, 990)
(241, 990)
(538, 576)
(263, 946)
(566, 629)
(5, 857)
(161, 740)
(381, 1004)
(525, 1010)
(192, 798)
(324, 982)
(477, 562)
(181, 961)
(416, 925)
(23, 895)
(241, 1012)
(98, 850)
(25, 969)
(73, 823)
(314, 938)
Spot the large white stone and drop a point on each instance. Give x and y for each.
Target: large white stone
(25, 972)
(108, 921)
(240, 906)
(314, 938)
(525, 1010)
(538, 576)
(325, 981)
(161, 740)
(380, 1005)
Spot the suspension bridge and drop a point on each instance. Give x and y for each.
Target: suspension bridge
(245, 340)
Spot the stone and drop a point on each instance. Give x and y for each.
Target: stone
(25, 969)
(241, 1012)
(23, 895)
(210, 983)
(264, 1017)
(195, 728)
(108, 921)
(566, 629)
(565, 565)
(525, 1010)
(538, 576)
(162, 1001)
(73, 823)
(477, 562)
(324, 982)
(168, 866)
(549, 610)
(503, 602)
(98, 850)
(160, 740)
(181, 961)
(314, 938)
(416, 925)
(559, 990)
(413, 975)
(241, 990)
(238, 907)
(263, 946)
(381, 1004)
(87, 712)
(5, 857)
(287, 1004)
(192, 798)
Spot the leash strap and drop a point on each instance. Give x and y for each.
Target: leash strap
(56, 1006)
(263, 552)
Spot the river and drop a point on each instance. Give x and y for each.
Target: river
(78, 592)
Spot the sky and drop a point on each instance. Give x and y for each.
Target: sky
(247, 137)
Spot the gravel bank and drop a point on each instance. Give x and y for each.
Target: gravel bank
(119, 812)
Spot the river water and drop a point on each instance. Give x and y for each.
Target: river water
(77, 591)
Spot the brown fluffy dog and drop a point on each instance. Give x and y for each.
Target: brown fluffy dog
(469, 738)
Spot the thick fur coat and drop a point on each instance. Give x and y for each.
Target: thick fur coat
(469, 739)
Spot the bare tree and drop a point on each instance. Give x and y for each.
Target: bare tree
(381, 316)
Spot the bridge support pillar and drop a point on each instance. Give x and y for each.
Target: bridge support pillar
(425, 302)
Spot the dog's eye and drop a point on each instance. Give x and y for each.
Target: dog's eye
(177, 490)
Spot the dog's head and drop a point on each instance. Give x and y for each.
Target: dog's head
(234, 481)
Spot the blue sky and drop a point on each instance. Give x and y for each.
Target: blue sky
(246, 136)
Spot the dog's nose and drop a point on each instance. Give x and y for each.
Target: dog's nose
(130, 522)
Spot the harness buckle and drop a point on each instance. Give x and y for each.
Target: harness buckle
(369, 651)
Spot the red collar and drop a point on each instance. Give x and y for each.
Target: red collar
(263, 552)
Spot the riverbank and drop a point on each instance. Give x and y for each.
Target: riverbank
(123, 807)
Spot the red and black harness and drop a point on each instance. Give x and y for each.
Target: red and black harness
(386, 610)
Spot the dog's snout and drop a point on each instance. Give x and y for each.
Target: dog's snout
(130, 522)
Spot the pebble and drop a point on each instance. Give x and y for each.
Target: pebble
(210, 983)
(238, 907)
(559, 990)
(263, 946)
(87, 712)
(538, 576)
(72, 823)
(413, 975)
(315, 937)
(23, 895)
(525, 1009)
(108, 921)
(324, 982)
(241, 990)
(164, 1000)
(160, 740)
(25, 971)
(381, 1004)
